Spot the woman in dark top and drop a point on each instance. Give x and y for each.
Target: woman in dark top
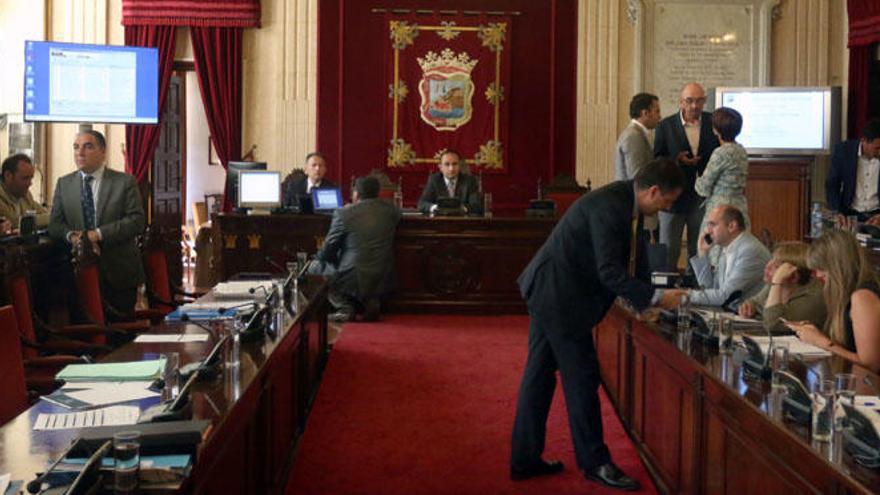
(852, 294)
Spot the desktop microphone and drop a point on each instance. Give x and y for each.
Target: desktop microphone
(253, 290)
(225, 309)
(36, 484)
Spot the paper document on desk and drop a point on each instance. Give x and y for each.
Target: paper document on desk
(795, 345)
(226, 303)
(171, 338)
(241, 288)
(130, 371)
(107, 416)
(739, 322)
(869, 405)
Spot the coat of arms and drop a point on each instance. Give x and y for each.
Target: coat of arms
(446, 89)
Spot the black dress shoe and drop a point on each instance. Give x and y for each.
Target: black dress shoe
(543, 468)
(611, 476)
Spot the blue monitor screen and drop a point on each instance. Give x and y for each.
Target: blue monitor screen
(68, 82)
(326, 199)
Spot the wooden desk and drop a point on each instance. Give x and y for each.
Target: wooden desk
(257, 414)
(462, 265)
(702, 427)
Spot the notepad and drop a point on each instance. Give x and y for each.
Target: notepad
(107, 416)
(171, 338)
(133, 370)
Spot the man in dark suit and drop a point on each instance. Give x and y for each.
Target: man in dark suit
(105, 206)
(358, 252)
(589, 259)
(853, 182)
(687, 138)
(315, 170)
(449, 182)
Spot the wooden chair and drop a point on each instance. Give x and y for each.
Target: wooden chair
(13, 392)
(200, 214)
(564, 190)
(213, 204)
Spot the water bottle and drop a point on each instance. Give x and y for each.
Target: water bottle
(816, 215)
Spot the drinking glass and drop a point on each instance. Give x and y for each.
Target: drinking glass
(844, 393)
(172, 384)
(823, 407)
(725, 335)
(778, 363)
(852, 222)
(684, 313)
(233, 345)
(126, 454)
(398, 200)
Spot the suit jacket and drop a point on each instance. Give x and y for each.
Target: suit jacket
(840, 185)
(633, 151)
(360, 248)
(466, 189)
(582, 267)
(296, 188)
(740, 267)
(120, 218)
(670, 139)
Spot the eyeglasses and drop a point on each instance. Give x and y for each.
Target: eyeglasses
(692, 101)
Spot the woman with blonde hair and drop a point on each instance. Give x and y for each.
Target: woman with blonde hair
(789, 292)
(852, 294)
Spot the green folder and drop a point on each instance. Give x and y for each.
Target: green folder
(120, 372)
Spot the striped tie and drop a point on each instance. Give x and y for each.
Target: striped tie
(88, 203)
(451, 188)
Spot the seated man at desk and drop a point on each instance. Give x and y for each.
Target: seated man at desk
(316, 169)
(358, 253)
(15, 197)
(449, 182)
(740, 266)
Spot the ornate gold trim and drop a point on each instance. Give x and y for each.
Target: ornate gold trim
(254, 241)
(402, 34)
(490, 155)
(493, 35)
(400, 93)
(494, 96)
(448, 32)
(400, 153)
(229, 241)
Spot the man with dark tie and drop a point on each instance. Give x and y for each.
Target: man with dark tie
(450, 182)
(316, 169)
(105, 206)
(595, 253)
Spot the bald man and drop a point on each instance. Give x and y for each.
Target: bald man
(687, 138)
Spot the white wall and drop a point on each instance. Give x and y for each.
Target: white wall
(201, 178)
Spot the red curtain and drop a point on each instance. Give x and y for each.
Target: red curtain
(141, 140)
(225, 13)
(217, 54)
(864, 32)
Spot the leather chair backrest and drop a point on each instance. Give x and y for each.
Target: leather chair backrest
(13, 392)
(20, 297)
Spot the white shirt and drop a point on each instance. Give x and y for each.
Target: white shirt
(311, 185)
(867, 175)
(692, 131)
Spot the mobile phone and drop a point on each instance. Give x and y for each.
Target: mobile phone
(708, 238)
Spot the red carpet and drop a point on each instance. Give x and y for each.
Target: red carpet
(425, 405)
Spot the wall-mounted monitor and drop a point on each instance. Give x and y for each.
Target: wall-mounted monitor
(70, 82)
(259, 189)
(785, 120)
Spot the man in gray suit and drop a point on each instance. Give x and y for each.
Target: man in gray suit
(635, 145)
(358, 253)
(740, 266)
(105, 206)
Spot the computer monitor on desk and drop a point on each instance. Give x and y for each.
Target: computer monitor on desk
(233, 170)
(259, 190)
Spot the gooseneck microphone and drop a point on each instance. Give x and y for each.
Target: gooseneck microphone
(185, 318)
(274, 264)
(36, 484)
(221, 311)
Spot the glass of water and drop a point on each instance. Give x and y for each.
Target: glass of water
(126, 454)
(778, 363)
(684, 313)
(725, 335)
(823, 407)
(844, 393)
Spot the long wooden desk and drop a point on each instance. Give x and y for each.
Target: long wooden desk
(463, 265)
(702, 427)
(257, 413)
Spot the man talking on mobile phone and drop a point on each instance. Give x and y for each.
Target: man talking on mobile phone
(740, 266)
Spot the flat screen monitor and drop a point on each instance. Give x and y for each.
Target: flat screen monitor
(232, 171)
(326, 199)
(70, 82)
(785, 120)
(259, 189)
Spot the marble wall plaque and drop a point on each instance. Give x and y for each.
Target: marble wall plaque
(708, 43)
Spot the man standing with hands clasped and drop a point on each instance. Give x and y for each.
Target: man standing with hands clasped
(595, 253)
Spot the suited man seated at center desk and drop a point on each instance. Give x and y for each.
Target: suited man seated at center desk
(450, 182)
(297, 195)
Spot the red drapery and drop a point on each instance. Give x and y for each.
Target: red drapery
(217, 54)
(225, 13)
(141, 140)
(864, 32)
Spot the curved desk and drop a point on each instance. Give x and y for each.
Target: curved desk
(702, 427)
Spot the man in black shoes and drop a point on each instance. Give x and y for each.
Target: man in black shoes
(596, 253)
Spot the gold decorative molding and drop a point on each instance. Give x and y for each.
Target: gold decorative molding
(399, 94)
(447, 58)
(400, 153)
(490, 155)
(493, 35)
(229, 241)
(402, 34)
(448, 32)
(493, 95)
(254, 241)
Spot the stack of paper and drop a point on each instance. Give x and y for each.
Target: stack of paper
(81, 395)
(108, 416)
(121, 372)
(795, 346)
(170, 338)
(241, 288)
